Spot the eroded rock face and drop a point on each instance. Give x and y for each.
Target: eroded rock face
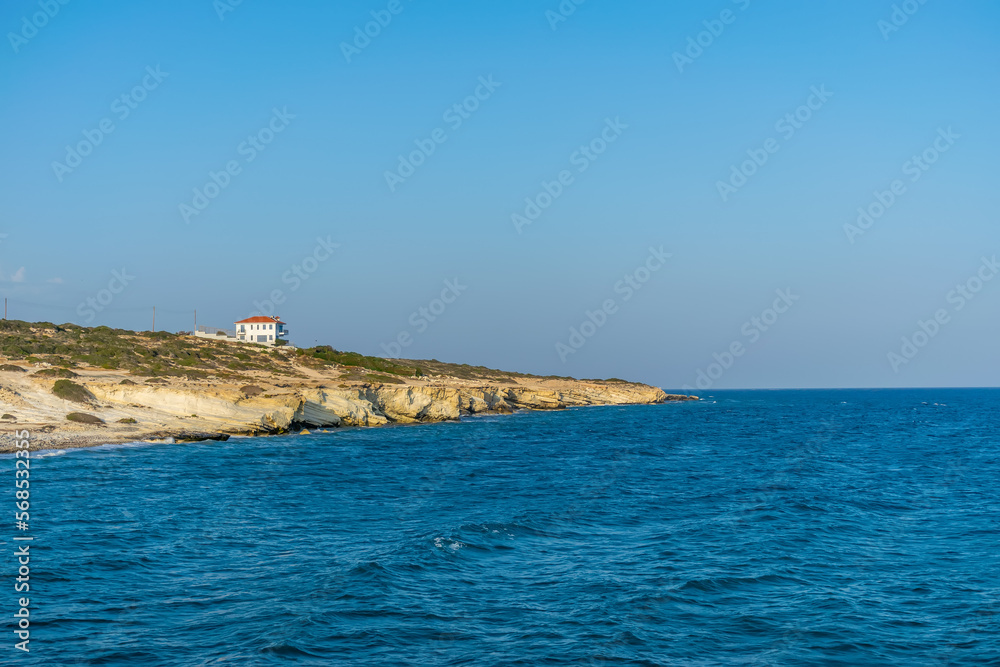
(314, 411)
(408, 405)
(262, 403)
(230, 410)
(485, 399)
(507, 399)
(348, 405)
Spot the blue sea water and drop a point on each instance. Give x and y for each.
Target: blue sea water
(751, 528)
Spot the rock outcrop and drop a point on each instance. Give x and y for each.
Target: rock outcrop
(363, 406)
(184, 410)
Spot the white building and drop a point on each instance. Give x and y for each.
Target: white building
(261, 329)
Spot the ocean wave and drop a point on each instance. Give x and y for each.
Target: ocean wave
(777, 527)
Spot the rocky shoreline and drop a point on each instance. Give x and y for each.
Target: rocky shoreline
(133, 409)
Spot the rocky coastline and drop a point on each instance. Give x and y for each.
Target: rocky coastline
(123, 408)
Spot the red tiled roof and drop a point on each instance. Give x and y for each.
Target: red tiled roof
(261, 320)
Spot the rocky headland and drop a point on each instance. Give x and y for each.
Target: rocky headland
(169, 386)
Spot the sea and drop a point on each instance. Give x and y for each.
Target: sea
(807, 527)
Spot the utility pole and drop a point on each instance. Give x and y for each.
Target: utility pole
(5, 307)
(195, 321)
(154, 319)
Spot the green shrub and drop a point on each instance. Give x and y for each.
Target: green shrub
(328, 355)
(12, 368)
(385, 379)
(56, 373)
(8, 416)
(251, 390)
(70, 391)
(126, 420)
(84, 418)
(14, 326)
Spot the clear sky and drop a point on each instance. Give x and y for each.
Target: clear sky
(609, 117)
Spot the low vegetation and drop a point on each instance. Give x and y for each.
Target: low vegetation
(126, 420)
(142, 353)
(71, 391)
(383, 379)
(56, 373)
(84, 418)
(157, 355)
(326, 355)
(12, 368)
(467, 372)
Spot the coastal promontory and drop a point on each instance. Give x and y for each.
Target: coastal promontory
(77, 386)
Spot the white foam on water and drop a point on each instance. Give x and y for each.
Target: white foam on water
(447, 543)
(37, 453)
(45, 453)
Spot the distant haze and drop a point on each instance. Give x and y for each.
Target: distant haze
(717, 194)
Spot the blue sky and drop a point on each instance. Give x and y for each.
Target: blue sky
(225, 76)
